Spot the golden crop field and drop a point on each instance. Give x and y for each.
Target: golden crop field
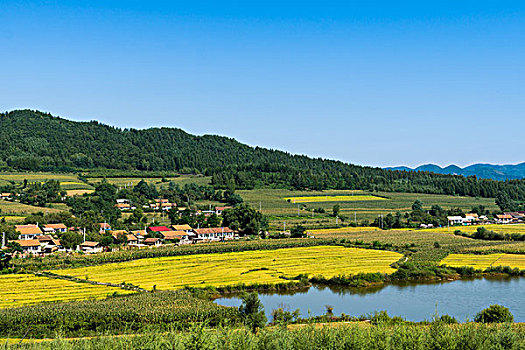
(72, 193)
(321, 199)
(330, 231)
(19, 209)
(240, 267)
(13, 219)
(19, 290)
(504, 229)
(484, 261)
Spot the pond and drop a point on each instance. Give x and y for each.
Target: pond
(461, 299)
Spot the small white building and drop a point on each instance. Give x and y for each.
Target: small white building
(455, 220)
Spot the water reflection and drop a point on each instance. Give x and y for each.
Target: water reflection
(413, 301)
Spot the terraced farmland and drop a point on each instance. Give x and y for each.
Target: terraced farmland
(243, 267)
(484, 261)
(20, 290)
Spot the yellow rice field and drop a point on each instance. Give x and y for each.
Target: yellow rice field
(484, 261)
(72, 193)
(35, 177)
(504, 229)
(240, 267)
(321, 199)
(325, 231)
(13, 218)
(20, 290)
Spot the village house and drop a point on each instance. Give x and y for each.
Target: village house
(185, 228)
(54, 228)
(214, 234)
(28, 231)
(180, 236)
(153, 242)
(90, 247)
(503, 219)
(167, 206)
(157, 229)
(132, 239)
(123, 206)
(122, 200)
(516, 216)
(140, 234)
(31, 246)
(104, 227)
(455, 220)
(220, 210)
(49, 244)
(6, 196)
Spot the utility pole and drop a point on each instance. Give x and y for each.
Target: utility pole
(3, 240)
(298, 213)
(284, 227)
(84, 235)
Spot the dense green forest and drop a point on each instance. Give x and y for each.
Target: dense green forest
(36, 141)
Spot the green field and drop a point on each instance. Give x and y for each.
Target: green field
(248, 267)
(19, 209)
(157, 181)
(67, 181)
(273, 203)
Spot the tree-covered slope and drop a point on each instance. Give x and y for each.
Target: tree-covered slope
(487, 171)
(31, 140)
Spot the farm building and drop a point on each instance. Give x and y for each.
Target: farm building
(28, 231)
(214, 234)
(503, 219)
(153, 242)
(185, 228)
(90, 247)
(158, 229)
(31, 246)
(54, 228)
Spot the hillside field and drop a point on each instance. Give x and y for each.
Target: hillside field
(248, 267)
(273, 202)
(19, 209)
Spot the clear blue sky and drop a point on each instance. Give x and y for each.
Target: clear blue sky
(368, 82)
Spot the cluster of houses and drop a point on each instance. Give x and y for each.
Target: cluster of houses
(163, 205)
(475, 219)
(35, 239)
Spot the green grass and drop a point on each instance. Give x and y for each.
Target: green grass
(273, 203)
(157, 181)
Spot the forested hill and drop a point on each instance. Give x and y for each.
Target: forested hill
(31, 140)
(487, 171)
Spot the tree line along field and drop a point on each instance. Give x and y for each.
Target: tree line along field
(250, 267)
(23, 289)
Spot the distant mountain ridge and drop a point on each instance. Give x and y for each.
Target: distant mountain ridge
(486, 171)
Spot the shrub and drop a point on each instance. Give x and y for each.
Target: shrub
(494, 314)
